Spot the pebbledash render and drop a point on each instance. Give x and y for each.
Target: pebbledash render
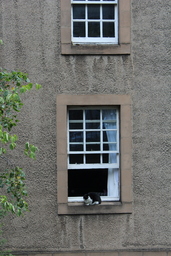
(101, 121)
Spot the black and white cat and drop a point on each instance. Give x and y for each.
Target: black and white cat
(92, 198)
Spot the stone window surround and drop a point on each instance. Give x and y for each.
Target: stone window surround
(123, 46)
(124, 102)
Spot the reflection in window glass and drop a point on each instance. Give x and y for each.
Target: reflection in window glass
(76, 136)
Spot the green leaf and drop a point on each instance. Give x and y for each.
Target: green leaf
(1, 100)
(38, 86)
(12, 146)
(27, 145)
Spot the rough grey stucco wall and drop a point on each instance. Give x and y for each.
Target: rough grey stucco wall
(31, 33)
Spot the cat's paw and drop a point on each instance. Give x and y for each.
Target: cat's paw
(96, 202)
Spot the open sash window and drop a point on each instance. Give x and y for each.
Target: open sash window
(93, 153)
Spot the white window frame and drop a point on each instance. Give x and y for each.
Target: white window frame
(84, 152)
(92, 40)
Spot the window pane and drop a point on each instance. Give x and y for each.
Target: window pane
(93, 159)
(109, 114)
(79, 29)
(110, 146)
(108, 29)
(76, 126)
(76, 159)
(111, 136)
(79, 11)
(93, 29)
(108, 12)
(112, 158)
(76, 136)
(105, 147)
(92, 125)
(92, 114)
(94, 11)
(93, 136)
(75, 115)
(105, 136)
(109, 125)
(83, 181)
(92, 147)
(76, 147)
(105, 158)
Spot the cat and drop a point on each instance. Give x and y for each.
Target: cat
(92, 198)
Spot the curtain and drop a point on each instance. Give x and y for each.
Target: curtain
(113, 174)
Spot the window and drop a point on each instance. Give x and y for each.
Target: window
(94, 153)
(95, 26)
(94, 21)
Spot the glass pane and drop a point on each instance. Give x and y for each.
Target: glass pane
(105, 147)
(92, 114)
(92, 147)
(93, 29)
(109, 125)
(93, 159)
(75, 115)
(105, 136)
(94, 11)
(79, 11)
(76, 159)
(108, 12)
(76, 136)
(105, 158)
(76, 147)
(112, 158)
(93, 136)
(108, 29)
(92, 125)
(79, 29)
(111, 136)
(76, 126)
(109, 114)
(110, 146)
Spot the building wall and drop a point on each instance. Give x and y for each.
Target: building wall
(31, 33)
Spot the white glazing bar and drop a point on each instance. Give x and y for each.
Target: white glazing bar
(101, 24)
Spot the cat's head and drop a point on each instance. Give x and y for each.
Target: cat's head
(85, 196)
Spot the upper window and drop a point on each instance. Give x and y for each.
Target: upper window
(93, 153)
(94, 21)
(95, 26)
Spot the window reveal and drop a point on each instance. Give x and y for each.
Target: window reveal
(93, 152)
(94, 21)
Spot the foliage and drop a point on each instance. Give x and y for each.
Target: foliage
(12, 85)
(12, 178)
